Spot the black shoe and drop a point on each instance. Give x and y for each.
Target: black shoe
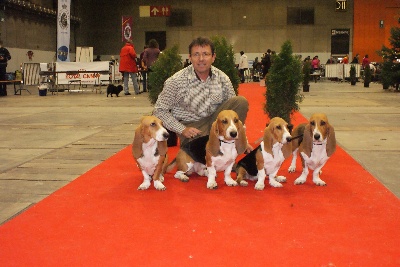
(138, 93)
(128, 93)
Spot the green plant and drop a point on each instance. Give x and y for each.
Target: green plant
(386, 74)
(353, 78)
(167, 64)
(225, 60)
(283, 80)
(391, 68)
(367, 75)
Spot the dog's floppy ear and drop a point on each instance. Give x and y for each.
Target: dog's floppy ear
(241, 142)
(137, 143)
(162, 148)
(213, 143)
(331, 143)
(268, 140)
(307, 140)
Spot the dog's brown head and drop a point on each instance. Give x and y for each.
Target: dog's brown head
(319, 127)
(277, 131)
(150, 127)
(319, 130)
(227, 127)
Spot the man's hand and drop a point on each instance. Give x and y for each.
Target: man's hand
(249, 148)
(190, 132)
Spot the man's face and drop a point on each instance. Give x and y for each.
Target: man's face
(201, 59)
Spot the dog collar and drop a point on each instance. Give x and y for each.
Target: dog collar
(227, 142)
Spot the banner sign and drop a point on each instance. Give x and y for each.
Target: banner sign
(87, 72)
(126, 28)
(63, 30)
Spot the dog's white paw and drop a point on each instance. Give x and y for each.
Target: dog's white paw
(281, 179)
(145, 185)
(181, 176)
(212, 185)
(319, 182)
(259, 186)
(159, 185)
(230, 182)
(274, 183)
(292, 169)
(300, 180)
(161, 178)
(243, 183)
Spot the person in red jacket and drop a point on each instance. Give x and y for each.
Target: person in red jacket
(365, 61)
(128, 66)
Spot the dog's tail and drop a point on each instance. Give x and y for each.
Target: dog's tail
(171, 165)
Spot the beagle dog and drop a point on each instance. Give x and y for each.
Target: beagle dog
(149, 149)
(217, 152)
(316, 146)
(268, 157)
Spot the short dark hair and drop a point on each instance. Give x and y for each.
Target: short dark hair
(202, 41)
(153, 43)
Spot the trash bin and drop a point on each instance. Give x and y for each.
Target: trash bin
(43, 89)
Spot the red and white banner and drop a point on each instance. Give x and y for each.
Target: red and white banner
(126, 28)
(86, 72)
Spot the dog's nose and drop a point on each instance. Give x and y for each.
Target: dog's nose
(317, 136)
(233, 134)
(289, 138)
(165, 135)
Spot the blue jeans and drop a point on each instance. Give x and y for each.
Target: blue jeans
(134, 80)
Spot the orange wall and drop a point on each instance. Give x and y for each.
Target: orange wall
(368, 37)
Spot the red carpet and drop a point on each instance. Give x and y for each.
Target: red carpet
(101, 219)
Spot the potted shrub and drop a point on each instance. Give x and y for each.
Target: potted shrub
(390, 74)
(386, 74)
(167, 64)
(225, 60)
(283, 84)
(367, 75)
(353, 78)
(306, 75)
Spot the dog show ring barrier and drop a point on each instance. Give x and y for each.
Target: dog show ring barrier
(82, 73)
(340, 71)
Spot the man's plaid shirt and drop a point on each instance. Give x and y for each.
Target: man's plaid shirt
(186, 98)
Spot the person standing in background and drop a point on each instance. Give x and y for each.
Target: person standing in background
(243, 65)
(365, 61)
(355, 60)
(143, 69)
(345, 60)
(150, 55)
(4, 57)
(315, 64)
(266, 62)
(331, 60)
(128, 66)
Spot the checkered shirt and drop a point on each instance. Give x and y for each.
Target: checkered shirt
(186, 98)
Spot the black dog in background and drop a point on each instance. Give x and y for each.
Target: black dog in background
(112, 89)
